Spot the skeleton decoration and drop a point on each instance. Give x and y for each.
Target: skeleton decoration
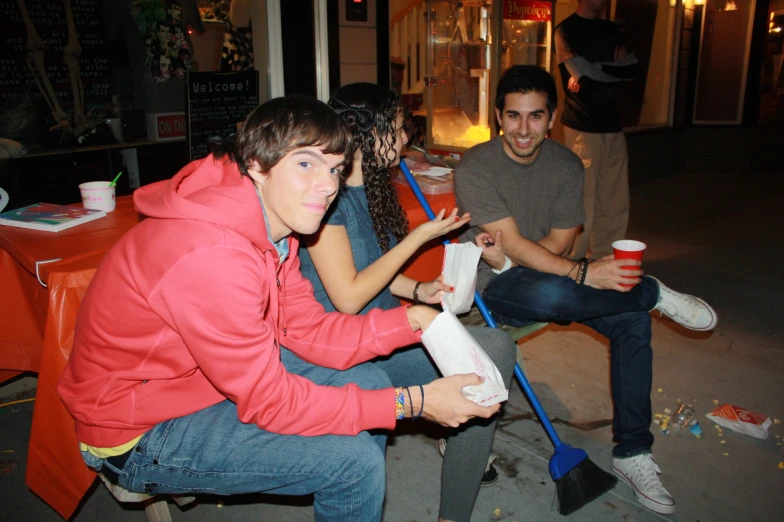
(80, 122)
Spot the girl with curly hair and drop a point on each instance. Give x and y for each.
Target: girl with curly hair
(365, 239)
(354, 263)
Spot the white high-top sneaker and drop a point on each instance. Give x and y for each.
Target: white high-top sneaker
(689, 311)
(642, 473)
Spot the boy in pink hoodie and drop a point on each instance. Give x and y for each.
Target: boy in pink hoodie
(179, 380)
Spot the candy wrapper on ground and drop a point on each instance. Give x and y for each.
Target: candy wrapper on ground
(455, 351)
(459, 270)
(741, 420)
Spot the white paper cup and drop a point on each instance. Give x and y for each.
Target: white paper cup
(97, 195)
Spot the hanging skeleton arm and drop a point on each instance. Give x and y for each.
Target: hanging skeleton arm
(72, 53)
(36, 47)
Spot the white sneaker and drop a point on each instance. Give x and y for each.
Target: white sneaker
(642, 473)
(490, 475)
(686, 310)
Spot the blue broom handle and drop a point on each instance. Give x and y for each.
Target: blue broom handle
(548, 427)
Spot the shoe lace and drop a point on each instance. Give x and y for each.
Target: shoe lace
(687, 311)
(647, 472)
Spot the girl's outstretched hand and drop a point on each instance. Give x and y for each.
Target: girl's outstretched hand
(440, 225)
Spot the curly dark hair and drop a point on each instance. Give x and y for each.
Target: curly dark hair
(364, 107)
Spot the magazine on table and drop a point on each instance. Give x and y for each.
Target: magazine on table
(49, 217)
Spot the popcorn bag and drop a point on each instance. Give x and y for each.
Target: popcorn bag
(455, 351)
(459, 271)
(741, 420)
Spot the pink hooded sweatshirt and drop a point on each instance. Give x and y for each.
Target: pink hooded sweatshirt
(189, 308)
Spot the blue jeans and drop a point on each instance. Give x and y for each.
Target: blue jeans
(212, 452)
(522, 296)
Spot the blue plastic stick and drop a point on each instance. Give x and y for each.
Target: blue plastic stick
(491, 323)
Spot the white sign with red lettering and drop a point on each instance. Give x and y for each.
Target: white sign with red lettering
(165, 126)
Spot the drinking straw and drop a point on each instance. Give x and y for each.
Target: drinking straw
(114, 181)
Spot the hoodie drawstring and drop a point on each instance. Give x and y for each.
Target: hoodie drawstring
(278, 304)
(282, 307)
(274, 308)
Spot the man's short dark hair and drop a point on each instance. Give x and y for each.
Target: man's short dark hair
(524, 79)
(282, 125)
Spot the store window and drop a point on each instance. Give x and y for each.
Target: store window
(459, 73)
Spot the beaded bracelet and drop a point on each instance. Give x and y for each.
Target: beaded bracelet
(400, 402)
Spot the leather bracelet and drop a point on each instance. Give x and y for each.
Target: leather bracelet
(569, 275)
(580, 267)
(584, 272)
(416, 293)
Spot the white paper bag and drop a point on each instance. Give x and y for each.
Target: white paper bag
(455, 351)
(741, 420)
(459, 271)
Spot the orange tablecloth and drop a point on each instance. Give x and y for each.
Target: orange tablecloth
(36, 334)
(426, 264)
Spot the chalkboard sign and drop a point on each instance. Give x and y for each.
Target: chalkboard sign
(49, 20)
(217, 102)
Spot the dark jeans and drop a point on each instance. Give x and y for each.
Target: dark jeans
(522, 296)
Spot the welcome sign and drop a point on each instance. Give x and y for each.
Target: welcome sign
(216, 103)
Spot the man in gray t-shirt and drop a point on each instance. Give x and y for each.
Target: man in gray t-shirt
(545, 194)
(524, 194)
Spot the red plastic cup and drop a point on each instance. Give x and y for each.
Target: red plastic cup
(628, 249)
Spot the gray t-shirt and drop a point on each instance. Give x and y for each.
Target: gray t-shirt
(545, 194)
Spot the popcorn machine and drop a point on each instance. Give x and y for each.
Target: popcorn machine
(469, 45)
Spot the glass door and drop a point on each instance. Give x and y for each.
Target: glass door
(723, 63)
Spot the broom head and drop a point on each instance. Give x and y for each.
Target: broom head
(578, 480)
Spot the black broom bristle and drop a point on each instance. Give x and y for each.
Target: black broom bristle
(585, 482)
